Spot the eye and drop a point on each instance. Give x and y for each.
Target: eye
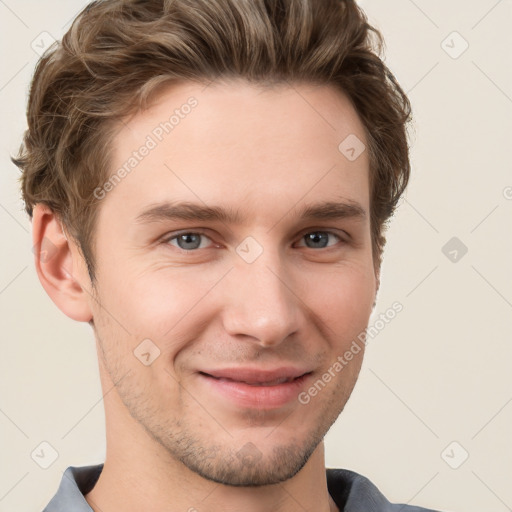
(188, 241)
(319, 239)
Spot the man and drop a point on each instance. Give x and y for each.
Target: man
(209, 182)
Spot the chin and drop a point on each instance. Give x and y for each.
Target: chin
(248, 466)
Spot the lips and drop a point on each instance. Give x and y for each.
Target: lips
(274, 382)
(255, 377)
(255, 388)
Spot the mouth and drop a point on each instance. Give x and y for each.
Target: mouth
(256, 388)
(257, 377)
(274, 382)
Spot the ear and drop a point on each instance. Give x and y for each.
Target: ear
(60, 266)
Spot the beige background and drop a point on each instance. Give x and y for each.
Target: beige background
(438, 373)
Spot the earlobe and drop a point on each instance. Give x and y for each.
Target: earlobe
(58, 265)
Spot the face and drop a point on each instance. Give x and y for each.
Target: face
(221, 317)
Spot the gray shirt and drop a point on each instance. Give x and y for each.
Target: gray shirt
(350, 491)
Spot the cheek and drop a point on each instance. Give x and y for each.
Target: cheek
(343, 299)
(163, 304)
(166, 304)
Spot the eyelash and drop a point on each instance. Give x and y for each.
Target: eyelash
(174, 236)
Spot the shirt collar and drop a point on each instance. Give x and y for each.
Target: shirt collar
(75, 484)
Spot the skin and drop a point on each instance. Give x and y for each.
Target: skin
(171, 440)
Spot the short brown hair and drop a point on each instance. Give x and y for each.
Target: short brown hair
(118, 52)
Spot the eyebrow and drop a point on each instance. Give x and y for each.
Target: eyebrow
(189, 211)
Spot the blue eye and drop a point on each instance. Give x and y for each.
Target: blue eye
(192, 240)
(188, 241)
(318, 239)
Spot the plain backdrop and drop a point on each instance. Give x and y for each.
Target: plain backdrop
(430, 419)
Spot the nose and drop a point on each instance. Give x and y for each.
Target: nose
(261, 303)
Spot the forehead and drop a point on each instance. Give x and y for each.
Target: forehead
(233, 143)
